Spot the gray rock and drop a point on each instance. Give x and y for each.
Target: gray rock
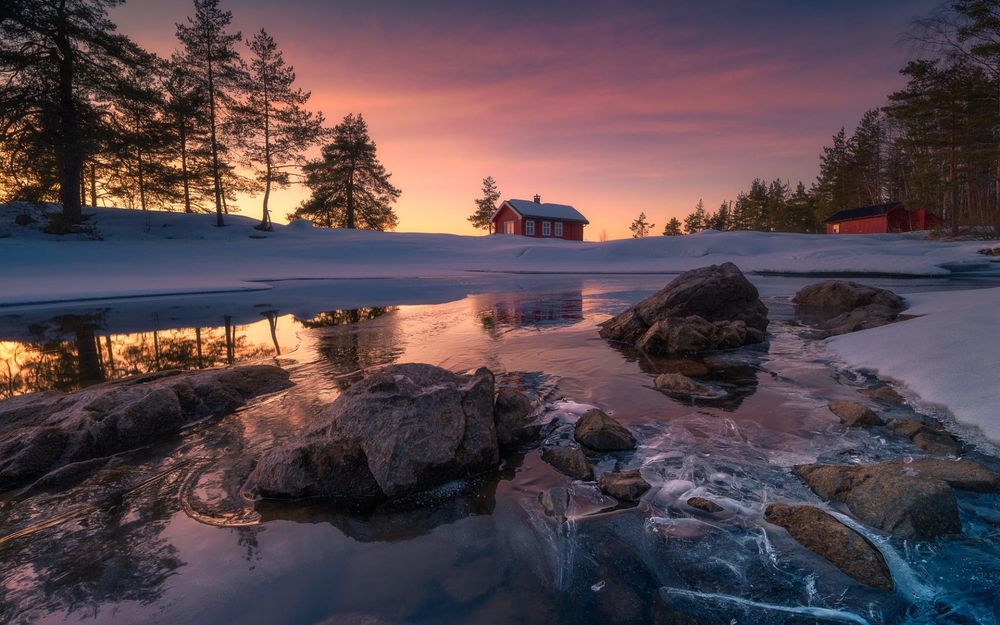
(42, 432)
(677, 384)
(825, 536)
(853, 414)
(703, 309)
(908, 500)
(840, 306)
(626, 486)
(404, 429)
(569, 461)
(600, 432)
(511, 411)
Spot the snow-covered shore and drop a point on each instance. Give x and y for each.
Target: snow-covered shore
(949, 354)
(158, 253)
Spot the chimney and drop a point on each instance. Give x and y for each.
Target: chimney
(538, 199)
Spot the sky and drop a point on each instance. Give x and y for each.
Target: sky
(614, 107)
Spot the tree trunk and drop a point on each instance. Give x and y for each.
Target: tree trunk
(349, 209)
(184, 167)
(265, 218)
(69, 150)
(93, 185)
(215, 145)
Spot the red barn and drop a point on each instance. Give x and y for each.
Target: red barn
(534, 219)
(881, 218)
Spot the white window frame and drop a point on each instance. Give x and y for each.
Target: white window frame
(558, 229)
(508, 227)
(546, 228)
(529, 228)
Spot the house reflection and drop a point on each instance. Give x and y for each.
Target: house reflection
(541, 310)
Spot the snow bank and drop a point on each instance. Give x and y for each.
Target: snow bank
(150, 253)
(949, 356)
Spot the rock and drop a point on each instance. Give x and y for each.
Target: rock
(884, 393)
(683, 366)
(599, 432)
(825, 536)
(855, 415)
(705, 505)
(929, 437)
(908, 500)
(677, 384)
(42, 432)
(703, 309)
(990, 251)
(402, 430)
(569, 461)
(555, 502)
(510, 413)
(840, 306)
(626, 486)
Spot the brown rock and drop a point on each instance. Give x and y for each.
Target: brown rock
(840, 306)
(706, 505)
(884, 393)
(678, 384)
(927, 436)
(569, 461)
(825, 536)
(853, 414)
(623, 485)
(600, 432)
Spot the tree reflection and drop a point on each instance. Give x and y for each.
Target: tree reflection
(349, 347)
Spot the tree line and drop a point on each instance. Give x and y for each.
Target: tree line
(935, 144)
(86, 112)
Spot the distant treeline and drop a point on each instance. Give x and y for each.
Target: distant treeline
(88, 116)
(934, 145)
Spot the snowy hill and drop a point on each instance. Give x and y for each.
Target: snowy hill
(146, 253)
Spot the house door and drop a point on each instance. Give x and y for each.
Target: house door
(508, 227)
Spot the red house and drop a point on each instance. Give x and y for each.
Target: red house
(881, 218)
(534, 219)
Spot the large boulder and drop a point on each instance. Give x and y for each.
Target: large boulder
(404, 429)
(512, 410)
(840, 545)
(43, 432)
(907, 499)
(841, 306)
(703, 309)
(597, 430)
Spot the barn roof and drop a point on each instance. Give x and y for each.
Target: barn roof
(875, 210)
(534, 210)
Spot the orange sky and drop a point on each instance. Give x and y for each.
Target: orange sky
(614, 110)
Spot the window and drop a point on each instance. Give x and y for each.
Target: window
(559, 229)
(529, 228)
(508, 227)
(836, 228)
(546, 228)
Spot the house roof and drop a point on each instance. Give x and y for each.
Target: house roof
(534, 210)
(875, 210)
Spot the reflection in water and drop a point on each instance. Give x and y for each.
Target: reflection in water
(542, 310)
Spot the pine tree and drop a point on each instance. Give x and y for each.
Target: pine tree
(211, 56)
(722, 219)
(673, 228)
(350, 187)
(486, 205)
(273, 128)
(695, 222)
(62, 61)
(185, 111)
(640, 227)
(830, 188)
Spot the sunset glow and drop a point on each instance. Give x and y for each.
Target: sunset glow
(614, 110)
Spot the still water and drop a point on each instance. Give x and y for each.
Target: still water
(163, 536)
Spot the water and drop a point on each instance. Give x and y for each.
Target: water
(162, 535)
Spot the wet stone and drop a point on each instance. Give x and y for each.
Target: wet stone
(840, 545)
(705, 505)
(510, 412)
(853, 414)
(600, 432)
(928, 436)
(570, 461)
(884, 393)
(628, 486)
(678, 384)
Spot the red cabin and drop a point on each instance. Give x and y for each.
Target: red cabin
(881, 218)
(534, 219)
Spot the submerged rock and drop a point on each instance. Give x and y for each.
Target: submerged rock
(511, 411)
(677, 384)
(855, 415)
(569, 461)
(705, 505)
(907, 499)
(840, 545)
(703, 309)
(841, 306)
(43, 432)
(600, 432)
(626, 486)
(929, 437)
(884, 393)
(402, 430)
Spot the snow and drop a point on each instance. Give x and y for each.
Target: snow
(155, 253)
(949, 355)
